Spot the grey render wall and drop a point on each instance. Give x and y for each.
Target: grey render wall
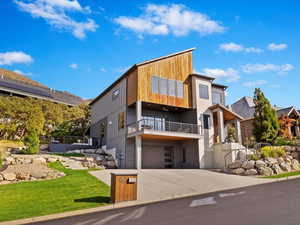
(108, 108)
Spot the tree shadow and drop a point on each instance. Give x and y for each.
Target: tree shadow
(96, 199)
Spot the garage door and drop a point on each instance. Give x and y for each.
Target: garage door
(157, 157)
(152, 157)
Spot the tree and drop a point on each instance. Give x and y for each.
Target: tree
(266, 126)
(32, 142)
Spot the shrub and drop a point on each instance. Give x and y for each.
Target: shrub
(281, 141)
(254, 157)
(32, 142)
(271, 151)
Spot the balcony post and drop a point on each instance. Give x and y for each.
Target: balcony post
(138, 152)
(139, 114)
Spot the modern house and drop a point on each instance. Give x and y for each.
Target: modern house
(245, 107)
(15, 84)
(160, 114)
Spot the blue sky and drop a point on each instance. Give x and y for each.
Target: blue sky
(82, 46)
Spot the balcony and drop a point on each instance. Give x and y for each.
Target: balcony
(160, 127)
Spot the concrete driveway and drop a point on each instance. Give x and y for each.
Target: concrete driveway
(163, 184)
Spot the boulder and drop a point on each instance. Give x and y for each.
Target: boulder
(238, 171)
(27, 161)
(39, 160)
(295, 164)
(23, 176)
(251, 172)
(38, 174)
(280, 160)
(111, 164)
(1, 178)
(235, 165)
(265, 171)
(9, 176)
(285, 167)
(248, 164)
(51, 159)
(9, 160)
(271, 161)
(276, 168)
(259, 164)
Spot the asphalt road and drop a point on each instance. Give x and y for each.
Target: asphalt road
(267, 204)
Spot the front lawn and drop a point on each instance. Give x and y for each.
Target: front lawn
(77, 190)
(289, 174)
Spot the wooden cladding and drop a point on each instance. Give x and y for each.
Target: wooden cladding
(123, 187)
(177, 68)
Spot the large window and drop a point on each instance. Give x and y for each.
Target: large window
(172, 88)
(155, 84)
(167, 87)
(217, 98)
(203, 91)
(179, 88)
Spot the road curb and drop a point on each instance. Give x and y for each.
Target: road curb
(124, 205)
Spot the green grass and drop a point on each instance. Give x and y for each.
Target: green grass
(289, 174)
(70, 154)
(77, 190)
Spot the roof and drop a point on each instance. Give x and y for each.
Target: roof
(226, 110)
(219, 86)
(19, 84)
(19, 77)
(203, 76)
(133, 68)
(286, 111)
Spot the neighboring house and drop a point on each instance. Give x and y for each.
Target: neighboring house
(14, 84)
(159, 114)
(245, 107)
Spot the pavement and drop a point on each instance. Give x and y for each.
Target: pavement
(272, 203)
(164, 184)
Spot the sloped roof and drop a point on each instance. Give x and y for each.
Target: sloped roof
(249, 101)
(19, 84)
(287, 111)
(223, 108)
(19, 77)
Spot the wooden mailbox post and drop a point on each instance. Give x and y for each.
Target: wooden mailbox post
(123, 187)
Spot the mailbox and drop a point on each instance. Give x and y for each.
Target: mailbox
(123, 187)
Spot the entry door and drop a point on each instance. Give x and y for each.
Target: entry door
(169, 157)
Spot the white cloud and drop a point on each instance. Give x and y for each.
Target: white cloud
(254, 68)
(9, 58)
(55, 13)
(275, 85)
(23, 73)
(228, 75)
(73, 66)
(277, 47)
(254, 83)
(233, 47)
(103, 70)
(174, 19)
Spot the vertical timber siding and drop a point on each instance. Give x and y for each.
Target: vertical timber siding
(177, 67)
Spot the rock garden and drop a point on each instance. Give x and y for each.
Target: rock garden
(267, 161)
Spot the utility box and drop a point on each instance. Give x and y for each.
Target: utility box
(123, 187)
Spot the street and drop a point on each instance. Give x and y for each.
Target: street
(273, 203)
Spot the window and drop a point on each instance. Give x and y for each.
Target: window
(163, 86)
(155, 84)
(121, 120)
(179, 89)
(167, 87)
(217, 98)
(203, 91)
(206, 121)
(172, 88)
(115, 94)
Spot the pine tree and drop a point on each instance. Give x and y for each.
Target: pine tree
(266, 125)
